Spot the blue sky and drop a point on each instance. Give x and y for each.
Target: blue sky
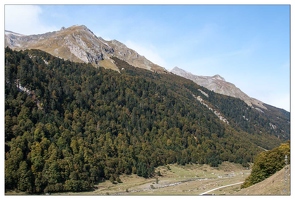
(248, 45)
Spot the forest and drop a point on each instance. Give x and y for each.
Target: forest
(69, 125)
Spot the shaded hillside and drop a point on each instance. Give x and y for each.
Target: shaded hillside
(69, 125)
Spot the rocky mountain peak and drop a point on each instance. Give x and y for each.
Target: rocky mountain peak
(218, 84)
(218, 77)
(79, 44)
(179, 70)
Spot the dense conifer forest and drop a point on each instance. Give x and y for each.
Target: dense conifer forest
(70, 125)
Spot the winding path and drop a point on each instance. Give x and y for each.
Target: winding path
(221, 187)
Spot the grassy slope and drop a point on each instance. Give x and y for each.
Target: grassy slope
(273, 185)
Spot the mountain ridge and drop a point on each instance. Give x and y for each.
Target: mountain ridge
(218, 84)
(79, 44)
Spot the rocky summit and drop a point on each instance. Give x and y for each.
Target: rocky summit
(79, 44)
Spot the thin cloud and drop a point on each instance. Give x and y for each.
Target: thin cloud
(25, 19)
(148, 52)
(281, 100)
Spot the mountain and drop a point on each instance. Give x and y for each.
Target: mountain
(217, 84)
(220, 85)
(79, 44)
(70, 125)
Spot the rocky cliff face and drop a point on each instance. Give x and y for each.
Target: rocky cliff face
(79, 44)
(218, 84)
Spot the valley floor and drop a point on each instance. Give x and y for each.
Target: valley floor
(191, 179)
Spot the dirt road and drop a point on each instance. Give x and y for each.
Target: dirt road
(221, 187)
